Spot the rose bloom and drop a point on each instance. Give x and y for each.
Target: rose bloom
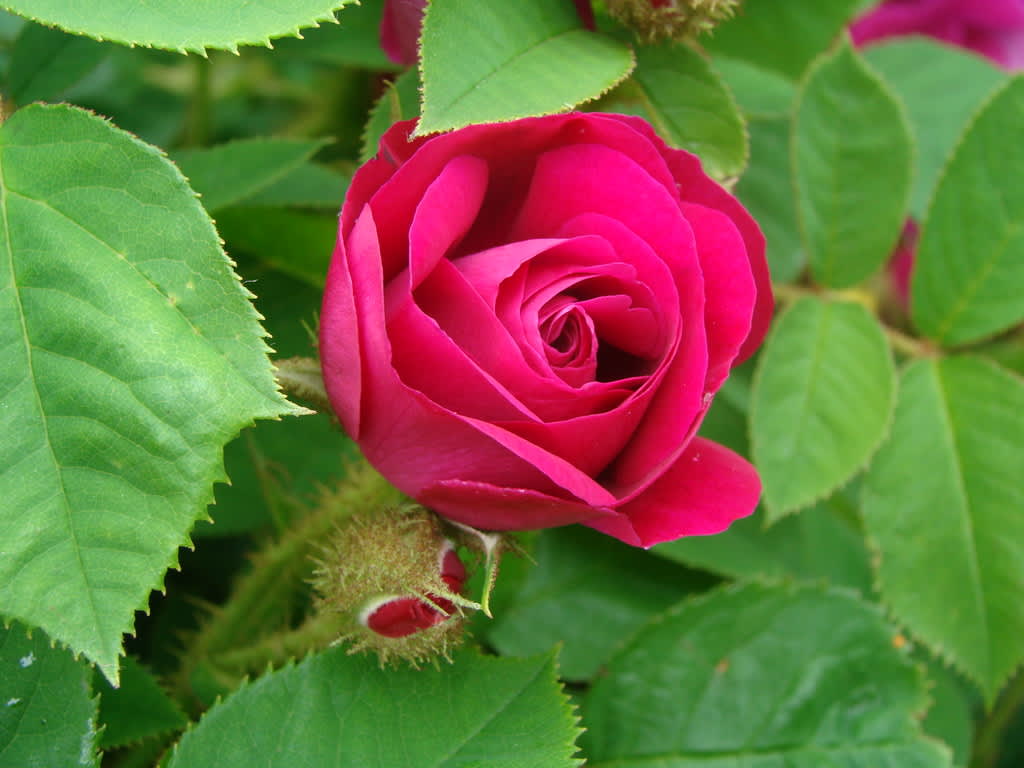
(992, 28)
(524, 324)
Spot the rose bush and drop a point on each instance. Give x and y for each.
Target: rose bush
(525, 323)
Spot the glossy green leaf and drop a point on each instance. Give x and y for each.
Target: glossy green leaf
(47, 712)
(767, 190)
(526, 58)
(781, 37)
(400, 101)
(46, 62)
(920, 71)
(337, 709)
(230, 173)
(761, 93)
(691, 108)
(136, 710)
(130, 356)
(181, 25)
(852, 161)
(969, 275)
(589, 592)
(822, 542)
(823, 396)
(757, 677)
(942, 502)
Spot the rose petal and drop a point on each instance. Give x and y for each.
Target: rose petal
(706, 489)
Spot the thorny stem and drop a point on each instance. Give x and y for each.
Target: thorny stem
(989, 737)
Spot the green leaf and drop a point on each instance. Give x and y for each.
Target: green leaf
(353, 42)
(823, 396)
(767, 190)
(950, 717)
(231, 173)
(400, 101)
(46, 62)
(761, 93)
(47, 712)
(307, 186)
(942, 502)
(969, 275)
(130, 356)
(757, 677)
(181, 25)
(590, 592)
(920, 71)
(138, 709)
(781, 37)
(820, 543)
(852, 160)
(337, 709)
(297, 243)
(526, 58)
(691, 108)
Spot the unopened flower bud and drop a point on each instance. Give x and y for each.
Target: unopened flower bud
(678, 20)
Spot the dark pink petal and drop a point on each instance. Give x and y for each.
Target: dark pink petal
(403, 616)
(706, 489)
(586, 12)
(400, 30)
(340, 352)
(453, 571)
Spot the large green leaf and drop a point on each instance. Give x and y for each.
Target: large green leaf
(782, 37)
(588, 592)
(921, 71)
(353, 42)
(823, 396)
(231, 173)
(129, 355)
(852, 160)
(942, 502)
(526, 58)
(691, 108)
(761, 93)
(969, 276)
(181, 25)
(338, 710)
(136, 710)
(47, 712)
(46, 62)
(759, 677)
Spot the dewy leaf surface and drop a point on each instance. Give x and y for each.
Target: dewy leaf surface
(852, 161)
(129, 355)
(942, 502)
(761, 677)
(691, 107)
(968, 279)
(334, 709)
(526, 58)
(823, 396)
(181, 25)
(47, 712)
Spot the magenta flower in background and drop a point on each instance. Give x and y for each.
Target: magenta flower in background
(992, 28)
(517, 343)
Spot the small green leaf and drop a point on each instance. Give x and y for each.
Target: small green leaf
(920, 71)
(590, 592)
(942, 502)
(129, 355)
(690, 107)
(308, 185)
(526, 58)
(298, 243)
(400, 101)
(46, 62)
(181, 25)
(231, 173)
(852, 160)
(820, 543)
(47, 712)
(969, 275)
(950, 715)
(782, 37)
(757, 677)
(767, 190)
(138, 709)
(761, 93)
(337, 709)
(823, 395)
(353, 42)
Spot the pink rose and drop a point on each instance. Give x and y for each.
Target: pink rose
(992, 28)
(525, 323)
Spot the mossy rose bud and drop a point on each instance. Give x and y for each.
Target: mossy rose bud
(679, 20)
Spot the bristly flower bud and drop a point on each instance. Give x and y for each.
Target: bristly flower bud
(395, 581)
(678, 20)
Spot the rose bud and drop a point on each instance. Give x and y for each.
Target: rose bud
(993, 29)
(394, 581)
(679, 20)
(525, 323)
(901, 263)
